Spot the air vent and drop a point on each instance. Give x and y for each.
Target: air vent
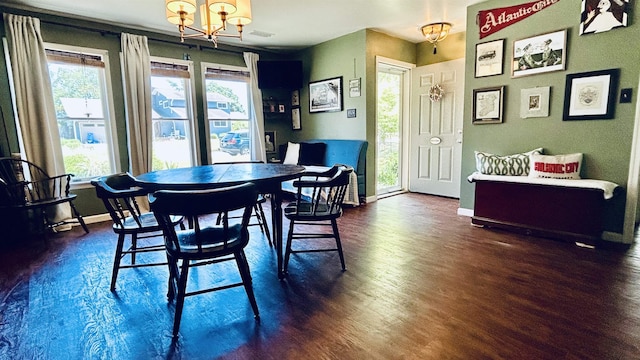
(261, 33)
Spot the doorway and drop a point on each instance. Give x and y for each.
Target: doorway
(392, 109)
(437, 95)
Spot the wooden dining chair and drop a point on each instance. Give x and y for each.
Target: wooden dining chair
(205, 242)
(258, 210)
(120, 193)
(318, 204)
(26, 187)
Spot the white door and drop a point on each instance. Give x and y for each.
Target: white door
(436, 129)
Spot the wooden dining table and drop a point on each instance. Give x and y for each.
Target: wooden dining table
(268, 179)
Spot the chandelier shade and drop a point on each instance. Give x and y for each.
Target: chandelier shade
(436, 32)
(214, 16)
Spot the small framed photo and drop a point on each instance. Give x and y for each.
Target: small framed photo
(325, 95)
(591, 95)
(354, 87)
(539, 54)
(534, 102)
(295, 119)
(295, 98)
(600, 16)
(487, 105)
(281, 108)
(270, 141)
(489, 58)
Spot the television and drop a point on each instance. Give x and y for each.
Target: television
(280, 74)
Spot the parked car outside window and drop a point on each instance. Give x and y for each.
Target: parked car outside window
(235, 142)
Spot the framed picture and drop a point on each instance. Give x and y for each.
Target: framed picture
(281, 108)
(354, 87)
(325, 95)
(590, 95)
(295, 98)
(295, 119)
(487, 105)
(489, 58)
(539, 54)
(600, 16)
(270, 141)
(534, 102)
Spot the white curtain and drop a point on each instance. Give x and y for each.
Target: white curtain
(33, 95)
(34, 98)
(136, 69)
(257, 147)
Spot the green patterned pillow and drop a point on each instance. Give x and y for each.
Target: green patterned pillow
(512, 165)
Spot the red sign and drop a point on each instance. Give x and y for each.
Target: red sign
(494, 20)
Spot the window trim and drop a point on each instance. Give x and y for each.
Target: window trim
(205, 76)
(192, 111)
(110, 120)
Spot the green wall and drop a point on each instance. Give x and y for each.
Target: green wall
(606, 144)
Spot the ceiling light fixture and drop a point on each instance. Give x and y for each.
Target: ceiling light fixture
(436, 32)
(214, 17)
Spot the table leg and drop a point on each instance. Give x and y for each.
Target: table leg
(276, 224)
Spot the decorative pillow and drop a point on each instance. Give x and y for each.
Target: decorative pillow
(556, 167)
(293, 153)
(512, 165)
(312, 153)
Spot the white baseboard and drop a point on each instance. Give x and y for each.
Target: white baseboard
(371, 199)
(465, 212)
(613, 237)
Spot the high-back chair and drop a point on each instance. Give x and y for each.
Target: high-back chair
(205, 242)
(318, 203)
(118, 193)
(258, 210)
(25, 186)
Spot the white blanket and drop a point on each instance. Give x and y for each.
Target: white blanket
(351, 197)
(606, 186)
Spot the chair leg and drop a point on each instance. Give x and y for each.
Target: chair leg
(336, 233)
(134, 247)
(182, 289)
(287, 252)
(116, 261)
(262, 220)
(78, 217)
(174, 275)
(245, 274)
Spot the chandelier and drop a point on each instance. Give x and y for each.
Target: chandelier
(436, 32)
(214, 17)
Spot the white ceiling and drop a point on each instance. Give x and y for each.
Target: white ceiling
(291, 23)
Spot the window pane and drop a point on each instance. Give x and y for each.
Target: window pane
(228, 114)
(82, 115)
(172, 143)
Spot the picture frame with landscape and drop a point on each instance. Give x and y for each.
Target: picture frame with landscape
(325, 95)
(488, 105)
(539, 54)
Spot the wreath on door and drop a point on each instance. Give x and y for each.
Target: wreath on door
(436, 92)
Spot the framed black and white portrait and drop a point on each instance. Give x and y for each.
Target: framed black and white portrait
(603, 15)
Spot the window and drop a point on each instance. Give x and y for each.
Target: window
(173, 116)
(228, 112)
(82, 99)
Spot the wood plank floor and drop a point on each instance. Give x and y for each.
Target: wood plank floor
(421, 283)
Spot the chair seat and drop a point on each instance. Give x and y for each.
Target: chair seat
(303, 210)
(209, 245)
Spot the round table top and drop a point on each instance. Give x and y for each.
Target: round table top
(218, 175)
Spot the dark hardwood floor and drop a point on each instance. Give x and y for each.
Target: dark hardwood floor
(421, 283)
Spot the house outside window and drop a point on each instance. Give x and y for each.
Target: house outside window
(173, 114)
(228, 112)
(82, 99)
